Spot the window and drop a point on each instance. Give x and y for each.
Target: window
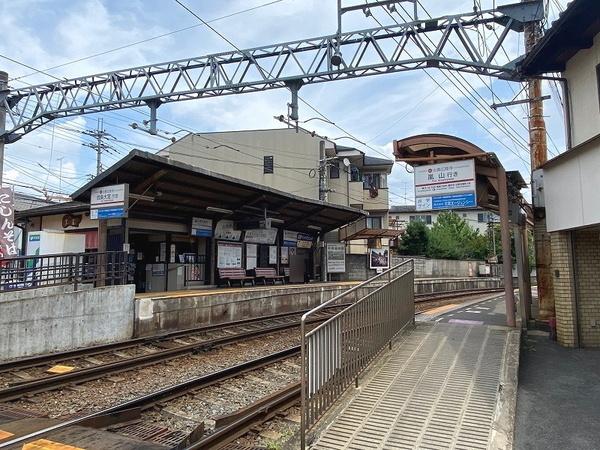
(377, 180)
(482, 217)
(421, 218)
(334, 170)
(268, 164)
(374, 222)
(355, 174)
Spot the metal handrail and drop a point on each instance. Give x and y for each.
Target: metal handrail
(33, 271)
(335, 353)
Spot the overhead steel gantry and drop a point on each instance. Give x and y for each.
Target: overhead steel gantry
(387, 49)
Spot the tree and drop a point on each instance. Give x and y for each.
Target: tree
(451, 237)
(415, 240)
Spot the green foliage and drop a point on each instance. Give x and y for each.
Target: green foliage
(451, 237)
(415, 241)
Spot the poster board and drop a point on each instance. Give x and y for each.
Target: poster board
(284, 258)
(229, 255)
(251, 256)
(336, 257)
(379, 258)
(272, 254)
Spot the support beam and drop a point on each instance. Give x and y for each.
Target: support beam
(509, 298)
(3, 92)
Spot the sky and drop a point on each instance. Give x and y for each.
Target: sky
(44, 34)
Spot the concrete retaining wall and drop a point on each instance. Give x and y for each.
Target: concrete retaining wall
(441, 268)
(53, 319)
(457, 284)
(156, 315)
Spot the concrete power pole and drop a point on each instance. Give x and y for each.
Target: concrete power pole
(3, 92)
(539, 155)
(99, 146)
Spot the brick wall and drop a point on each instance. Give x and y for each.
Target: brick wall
(564, 293)
(586, 248)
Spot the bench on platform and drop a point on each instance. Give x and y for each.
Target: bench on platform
(268, 273)
(230, 275)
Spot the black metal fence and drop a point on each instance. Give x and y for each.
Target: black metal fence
(29, 272)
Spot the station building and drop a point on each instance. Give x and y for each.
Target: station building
(568, 185)
(402, 215)
(185, 222)
(300, 162)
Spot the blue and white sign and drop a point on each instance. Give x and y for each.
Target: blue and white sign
(454, 201)
(110, 213)
(448, 185)
(202, 227)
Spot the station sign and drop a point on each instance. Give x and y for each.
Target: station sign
(202, 227)
(261, 236)
(109, 202)
(449, 185)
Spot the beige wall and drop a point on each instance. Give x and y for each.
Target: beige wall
(586, 251)
(294, 155)
(584, 97)
(571, 191)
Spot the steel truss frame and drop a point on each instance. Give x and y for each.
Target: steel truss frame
(291, 64)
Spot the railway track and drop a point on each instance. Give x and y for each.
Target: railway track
(139, 419)
(30, 376)
(128, 413)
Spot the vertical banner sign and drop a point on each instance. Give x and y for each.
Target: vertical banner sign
(336, 258)
(8, 247)
(449, 185)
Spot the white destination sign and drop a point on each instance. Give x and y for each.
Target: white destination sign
(445, 178)
(449, 185)
(107, 196)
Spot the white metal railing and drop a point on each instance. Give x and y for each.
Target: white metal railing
(338, 350)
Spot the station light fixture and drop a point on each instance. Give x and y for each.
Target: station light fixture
(314, 227)
(219, 210)
(276, 220)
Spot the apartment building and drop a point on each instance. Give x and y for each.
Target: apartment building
(298, 162)
(401, 215)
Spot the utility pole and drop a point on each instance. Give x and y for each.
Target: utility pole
(539, 155)
(99, 134)
(3, 93)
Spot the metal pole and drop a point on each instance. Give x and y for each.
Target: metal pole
(3, 93)
(509, 299)
(521, 275)
(539, 155)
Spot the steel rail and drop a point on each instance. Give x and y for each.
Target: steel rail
(251, 416)
(35, 361)
(45, 384)
(149, 400)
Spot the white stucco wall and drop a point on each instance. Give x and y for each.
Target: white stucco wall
(294, 155)
(583, 88)
(571, 190)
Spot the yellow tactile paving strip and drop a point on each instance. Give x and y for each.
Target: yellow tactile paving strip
(45, 444)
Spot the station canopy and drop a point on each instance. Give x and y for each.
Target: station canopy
(167, 190)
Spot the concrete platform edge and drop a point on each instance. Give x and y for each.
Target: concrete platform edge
(503, 426)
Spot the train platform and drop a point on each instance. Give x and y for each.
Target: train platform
(448, 383)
